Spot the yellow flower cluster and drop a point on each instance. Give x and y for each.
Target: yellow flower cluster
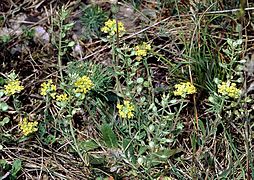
(126, 109)
(83, 85)
(62, 97)
(110, 27)
(229, 89)
(183, 89)
(13, 87)
(28, 127)
(48, 88)
(142, 50)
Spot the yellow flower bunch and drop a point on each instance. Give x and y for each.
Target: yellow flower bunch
(229, 89)
(48, 88)
(83, 85)
(183, 89)
(62, 97)
(110, 27)
(142, 50)
(13, 87)
(126, 109)
(28, 127)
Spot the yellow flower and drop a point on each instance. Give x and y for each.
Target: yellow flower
(28, 127)
(125, 110)
(62, 97)
(142, 50)
(13, 87)
(229, 89)
(53, 87)
(110, 27)
(83, 85)
(183, 89)
(48, 88)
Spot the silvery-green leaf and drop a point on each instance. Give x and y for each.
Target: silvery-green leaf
(4, 121)
(140, 80)
(71, 44)
(4, 106)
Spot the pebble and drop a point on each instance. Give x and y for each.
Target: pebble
(41, 35)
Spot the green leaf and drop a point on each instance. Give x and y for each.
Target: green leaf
(142, 150)
(193, 141)
(166, 153)
(71, 44)
(4, 106)
(3, 162)
(87, 145)
(140, 80)
(1, 93)
(68, 27)
(96, 159)
(4, 121)
(230, 41)
(162, 156)
(179, 126)
(129, 150)
(108, 135)
(63, 35)
(50, 139)
(139, 89)
(226, 173)
(202, 127)
(5, 38)
(16, 167)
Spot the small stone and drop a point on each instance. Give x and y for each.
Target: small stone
(41, 35)
(150, 14)
(78, 50)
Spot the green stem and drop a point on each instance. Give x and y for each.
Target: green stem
(149, 78)
(180, 108)
(15, 103)
(59, 57)
(75, 146)
(115, 62)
